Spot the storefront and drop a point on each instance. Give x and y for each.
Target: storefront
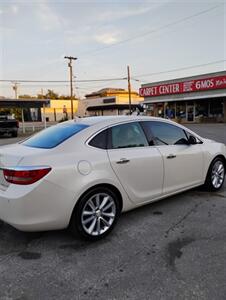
(192, 99)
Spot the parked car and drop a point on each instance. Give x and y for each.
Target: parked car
(83, 173)
(8, 125)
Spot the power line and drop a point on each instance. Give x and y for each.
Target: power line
(111, 79)
(62, 81)
(154, 30)
(96, 80)
(180, 69)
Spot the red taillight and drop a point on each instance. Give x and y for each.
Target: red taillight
(24, 176)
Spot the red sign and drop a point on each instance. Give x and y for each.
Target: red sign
(205, 84)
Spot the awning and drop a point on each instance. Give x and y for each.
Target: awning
(189, 97)
(24, 103)
(113, 106)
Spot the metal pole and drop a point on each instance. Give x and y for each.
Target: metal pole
(22, 117)
(44, 116)
(129, 89)
(15, 88)
(72, 107)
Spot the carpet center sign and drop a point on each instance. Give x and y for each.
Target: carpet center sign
(211, 83)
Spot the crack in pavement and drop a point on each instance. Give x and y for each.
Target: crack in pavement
(192, 210)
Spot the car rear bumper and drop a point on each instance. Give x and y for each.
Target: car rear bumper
(8, 130)
(29, 208)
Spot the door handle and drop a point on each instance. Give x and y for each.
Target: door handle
(122, 161)
(170, 156)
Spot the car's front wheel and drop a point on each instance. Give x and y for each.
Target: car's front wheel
(216, 175)
(96, 214)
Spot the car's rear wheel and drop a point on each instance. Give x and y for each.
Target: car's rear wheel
(96, 214)
(14, 134)
(216, 175)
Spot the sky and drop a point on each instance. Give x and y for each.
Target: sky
(185, 37)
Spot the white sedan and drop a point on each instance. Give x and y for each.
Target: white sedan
(83, 173)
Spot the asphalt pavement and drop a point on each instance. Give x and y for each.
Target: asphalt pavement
(172, 249)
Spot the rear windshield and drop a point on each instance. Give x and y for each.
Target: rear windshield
(53, 136)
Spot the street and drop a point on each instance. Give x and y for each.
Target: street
(171, 249)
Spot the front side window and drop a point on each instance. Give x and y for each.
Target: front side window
(167, 134)
(53, 136)
(127, 136)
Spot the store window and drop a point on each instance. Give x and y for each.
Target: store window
(216, 108)
(181, 110)
(160, 110)
(149, 109)
(202, 109)
(170, 112)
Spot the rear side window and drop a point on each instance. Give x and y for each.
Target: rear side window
(128, 136)
(53, 136)
(100, 140)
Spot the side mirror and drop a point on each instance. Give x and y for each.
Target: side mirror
(192, 140)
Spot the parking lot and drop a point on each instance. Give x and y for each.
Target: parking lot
(172, 249)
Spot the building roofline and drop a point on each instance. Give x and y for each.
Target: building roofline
(111, 106)
(178, 79)
(32, 103)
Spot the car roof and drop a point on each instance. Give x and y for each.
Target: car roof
(111, 119)
(97, 123)
(103, 121)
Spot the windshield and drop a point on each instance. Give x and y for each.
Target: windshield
(53, 136)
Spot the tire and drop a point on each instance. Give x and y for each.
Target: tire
(14, 134)
(216, 175)
(93, 219)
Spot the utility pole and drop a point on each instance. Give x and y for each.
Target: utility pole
(129, 89)
(15, 88)
(42, 93)
(70, 58)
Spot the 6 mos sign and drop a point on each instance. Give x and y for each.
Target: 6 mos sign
(184, 87)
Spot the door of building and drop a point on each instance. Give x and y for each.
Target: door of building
(190, 112)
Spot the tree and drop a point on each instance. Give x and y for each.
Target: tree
(26, 96)
(63, 97)
(51, 95)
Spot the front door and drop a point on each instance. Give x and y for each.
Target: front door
(183, 163)
(183, 166)
(138, 166)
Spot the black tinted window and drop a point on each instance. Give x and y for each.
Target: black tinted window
(167, 134)
(146, 125)
(127, 136)
(100, 140)
(54, 135)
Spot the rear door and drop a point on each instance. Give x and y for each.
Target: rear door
(138, 166)
(183, 163)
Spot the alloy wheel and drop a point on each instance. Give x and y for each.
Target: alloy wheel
(218, 173)
(98, 214)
